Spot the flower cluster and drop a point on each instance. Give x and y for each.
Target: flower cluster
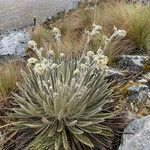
(39, 68)
(96, 30)
(57, 35)
(31, 61)
(88, 61)
(32, 44)
(119, 34)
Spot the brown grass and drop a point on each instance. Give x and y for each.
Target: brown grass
(135, 19)
(10, 73)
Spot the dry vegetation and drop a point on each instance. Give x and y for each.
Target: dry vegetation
(135, 19)
(10, 73)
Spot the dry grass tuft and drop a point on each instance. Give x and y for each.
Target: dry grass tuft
(135, 19)
(10, 73)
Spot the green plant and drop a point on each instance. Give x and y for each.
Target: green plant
(63, 102)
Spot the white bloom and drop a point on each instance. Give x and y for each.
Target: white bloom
(100, 51)
(90, 53)
(56, 31)
(83, 89)
(96, 30)
(121, 33)
(62, 55)
(76, 86)
(57, 34)
(32, 44)
(51, 52)
(77, 72)
(51, 88)
(39, 68)
(87, 60)
(97, 27)
(56, 96)
(115, 29)
(54, 66)
(31, 61)
(101, 61)
(83, 66)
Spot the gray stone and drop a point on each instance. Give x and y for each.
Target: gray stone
(14, 43)
(114, 74)
(132, 62)
(142, 81)
(136, 135)
(138, 93)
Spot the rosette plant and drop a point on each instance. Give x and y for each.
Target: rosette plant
(63, 104)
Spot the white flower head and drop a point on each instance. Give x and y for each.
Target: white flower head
(54, 66)
(32, 44)
(121, 33)
(88, 60)
(62, 55)
(56, 96)
(77, 72)
(90, 54)
(97, 27)
(83, 66)
(31, 61)
(96, 30)
(57, 34)
(115, 29)
(100, 51)
(39, 68)
(56, 31)
(51, 53)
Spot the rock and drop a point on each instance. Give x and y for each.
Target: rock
(14, 43)
(130, 116)
(132, 62)
(136, 135)
(142, 81)
(137, 93)
(114, 74)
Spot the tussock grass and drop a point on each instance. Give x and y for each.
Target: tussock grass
(10, 73)
(135, 19)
